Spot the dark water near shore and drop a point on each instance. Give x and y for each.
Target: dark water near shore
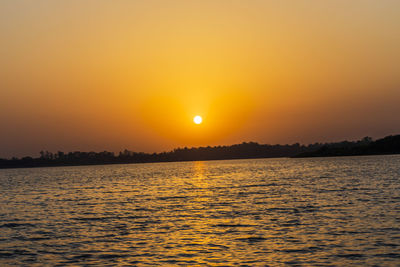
(320, 211)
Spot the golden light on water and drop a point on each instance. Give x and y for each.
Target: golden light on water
(198, 119)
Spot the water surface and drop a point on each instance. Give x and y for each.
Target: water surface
(321, 211)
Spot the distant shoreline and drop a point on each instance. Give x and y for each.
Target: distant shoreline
(248, 150)
(105, 164)
(385, 146)
(149, 162)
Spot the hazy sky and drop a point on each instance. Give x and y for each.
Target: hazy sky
(109, 75)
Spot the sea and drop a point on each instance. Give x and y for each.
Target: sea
(342, 211)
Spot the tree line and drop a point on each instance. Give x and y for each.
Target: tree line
(384, 146)
(245, 150)
(237, 151)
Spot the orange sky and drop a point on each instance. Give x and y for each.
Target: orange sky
(110, 75)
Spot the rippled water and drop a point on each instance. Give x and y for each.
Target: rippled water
(322, 211)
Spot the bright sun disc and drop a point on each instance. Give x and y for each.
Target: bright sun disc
(197, 119)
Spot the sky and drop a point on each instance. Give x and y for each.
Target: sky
(109, 75)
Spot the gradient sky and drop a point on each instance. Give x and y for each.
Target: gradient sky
(109, 75)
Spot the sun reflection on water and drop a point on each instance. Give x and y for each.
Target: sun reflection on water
(250, 212)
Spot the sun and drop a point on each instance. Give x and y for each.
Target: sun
(197, 120)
